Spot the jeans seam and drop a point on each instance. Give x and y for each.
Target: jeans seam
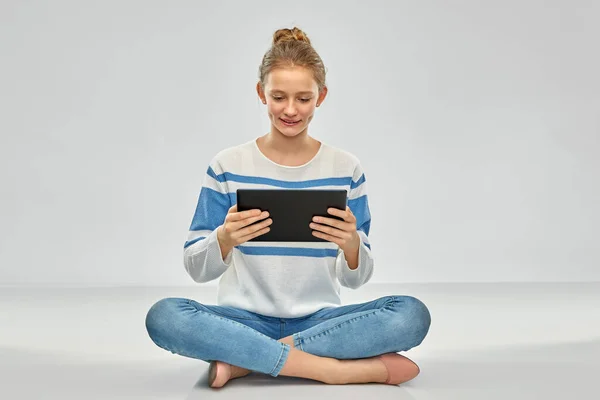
(280, 357)
(341, 323)
(326, 318)
(223, 314)
(297, 341)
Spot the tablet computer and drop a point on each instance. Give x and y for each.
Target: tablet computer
(292, 210)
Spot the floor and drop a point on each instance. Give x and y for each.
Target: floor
(486, 341)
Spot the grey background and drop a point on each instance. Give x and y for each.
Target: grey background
(477, 124)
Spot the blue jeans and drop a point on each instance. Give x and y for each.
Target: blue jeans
(249, 340)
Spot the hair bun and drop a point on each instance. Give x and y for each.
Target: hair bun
(285, 34)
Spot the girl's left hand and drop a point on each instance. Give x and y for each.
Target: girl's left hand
(343, 233)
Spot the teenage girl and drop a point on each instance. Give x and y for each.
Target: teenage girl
(278, 309)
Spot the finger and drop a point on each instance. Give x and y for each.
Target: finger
(327, 237)
(349, 212)
(253, 228)
(345, 226)
(252, 220)
(346, 214)
(255, 234)
(238, 226)
(259, 232)
(331, 231)
(237, 216)
(349, 217)
(244, 238)
(334, 211)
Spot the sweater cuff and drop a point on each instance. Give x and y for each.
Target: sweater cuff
(346, 266)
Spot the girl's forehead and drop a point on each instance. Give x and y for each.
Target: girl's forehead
(291, 81)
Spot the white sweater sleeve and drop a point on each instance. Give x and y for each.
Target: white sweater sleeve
(201, 252)
(359, 205)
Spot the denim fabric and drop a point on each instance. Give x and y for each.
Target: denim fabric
(249, 340)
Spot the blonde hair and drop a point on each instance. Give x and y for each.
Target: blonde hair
(291, 47)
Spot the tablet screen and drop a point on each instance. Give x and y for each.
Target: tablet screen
(291, 210)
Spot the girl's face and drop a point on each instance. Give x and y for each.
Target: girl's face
(291, 95)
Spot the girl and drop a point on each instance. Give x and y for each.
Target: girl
(279, 309)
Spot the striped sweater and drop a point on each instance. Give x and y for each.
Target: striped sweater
(278, 279)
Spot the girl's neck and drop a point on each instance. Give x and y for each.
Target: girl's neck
(288, 146)
(288, 151)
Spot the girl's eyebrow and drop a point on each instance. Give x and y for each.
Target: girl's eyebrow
(281, 91)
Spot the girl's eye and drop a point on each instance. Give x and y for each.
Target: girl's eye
(280, 98)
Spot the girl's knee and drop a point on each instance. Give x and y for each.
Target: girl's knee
(420, 313)
(421, 319)
(160, 316)
(415, 314)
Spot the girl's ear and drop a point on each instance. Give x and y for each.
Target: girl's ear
(322, 96)
(260, 92)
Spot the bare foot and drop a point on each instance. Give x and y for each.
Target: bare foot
(362, 370)
(374, 369)
(219, 373)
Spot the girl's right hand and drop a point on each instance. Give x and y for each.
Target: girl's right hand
(235, 229)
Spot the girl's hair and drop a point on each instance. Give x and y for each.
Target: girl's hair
(291, 47)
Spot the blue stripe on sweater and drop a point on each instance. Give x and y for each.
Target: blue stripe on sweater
(340, 181)
(280, 251)
(191, 242)
(211, 210)
(287, 251)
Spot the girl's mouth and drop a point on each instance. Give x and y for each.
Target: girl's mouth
(289, 123)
